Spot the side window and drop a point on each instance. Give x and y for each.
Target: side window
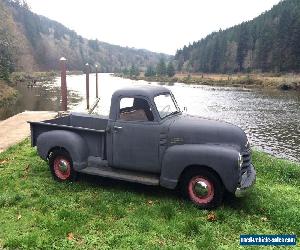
(135, 109)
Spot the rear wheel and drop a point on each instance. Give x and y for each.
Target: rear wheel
(61, 165)
(203, 187)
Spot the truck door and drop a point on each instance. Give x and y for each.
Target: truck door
(136, 136)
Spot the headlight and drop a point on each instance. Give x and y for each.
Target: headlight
(240, 160)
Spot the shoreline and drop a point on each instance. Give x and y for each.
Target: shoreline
(284, 82)
(8, 92)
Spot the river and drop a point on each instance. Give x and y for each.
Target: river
(271, 118)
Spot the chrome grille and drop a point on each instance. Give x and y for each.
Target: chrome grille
(246, 155)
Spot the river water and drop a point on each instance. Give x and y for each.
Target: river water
(271, 118)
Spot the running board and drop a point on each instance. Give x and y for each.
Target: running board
(124, 175)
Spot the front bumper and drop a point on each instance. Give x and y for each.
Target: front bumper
(247, 182)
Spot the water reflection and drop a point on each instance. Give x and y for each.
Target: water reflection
(44, 96)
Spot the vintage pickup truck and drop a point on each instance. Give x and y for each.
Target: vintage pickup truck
(147, 139)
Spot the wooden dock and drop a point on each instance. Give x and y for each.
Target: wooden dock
(16, 128)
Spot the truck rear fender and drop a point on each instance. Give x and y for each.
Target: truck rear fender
(72, 142)
(223, 160)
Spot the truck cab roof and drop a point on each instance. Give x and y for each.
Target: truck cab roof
(142, 90)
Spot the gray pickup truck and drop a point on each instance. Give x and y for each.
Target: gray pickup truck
(146, 139)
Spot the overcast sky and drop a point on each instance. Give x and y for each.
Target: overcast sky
(157, 25)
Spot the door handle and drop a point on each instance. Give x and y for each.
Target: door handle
(117, 128)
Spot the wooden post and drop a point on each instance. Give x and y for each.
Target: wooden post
(63, 75)
(87, 85)
(96, 81)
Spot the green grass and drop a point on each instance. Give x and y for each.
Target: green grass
(95, 213)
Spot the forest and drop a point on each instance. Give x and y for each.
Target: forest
(30, 42)
(268, 43)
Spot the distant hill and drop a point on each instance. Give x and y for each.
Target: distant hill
(268, 43)
(32, 42)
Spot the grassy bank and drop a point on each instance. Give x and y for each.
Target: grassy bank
(96, 213)
(33, 77)
(7, 94)
(278, 81)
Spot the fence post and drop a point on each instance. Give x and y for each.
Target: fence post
(63, 75)
(96, 80)
(87, 85)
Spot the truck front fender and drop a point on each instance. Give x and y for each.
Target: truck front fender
(220, 158)
(73, 143)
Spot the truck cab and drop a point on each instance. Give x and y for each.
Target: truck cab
(147, 139)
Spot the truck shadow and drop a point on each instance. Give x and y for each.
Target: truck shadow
(118, 185)
(230, 201)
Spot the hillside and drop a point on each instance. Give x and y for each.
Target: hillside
(30, 42)
(268, 43)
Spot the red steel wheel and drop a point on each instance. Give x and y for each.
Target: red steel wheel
(201, 190)
(61, 165)
(202, 186)
(62, 168)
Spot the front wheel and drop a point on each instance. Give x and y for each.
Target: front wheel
(203, 187)
(61, 166)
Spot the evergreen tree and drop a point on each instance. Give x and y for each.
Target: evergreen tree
(269, 42)
(150, 71)
(161, 68)
(134, 71)
(125, 72)
(243, 37)
(170, 69)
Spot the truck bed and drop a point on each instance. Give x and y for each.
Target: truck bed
(91, 128)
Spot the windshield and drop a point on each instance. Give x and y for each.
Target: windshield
(166, 105)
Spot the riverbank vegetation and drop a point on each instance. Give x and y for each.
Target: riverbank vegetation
(267, 80)
(92, 213)
(33, 77)
(8, 94)
(161, 69)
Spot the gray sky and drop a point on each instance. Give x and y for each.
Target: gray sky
(157, 25)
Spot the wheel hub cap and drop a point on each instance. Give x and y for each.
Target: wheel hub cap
(63, 166)
(201, 189)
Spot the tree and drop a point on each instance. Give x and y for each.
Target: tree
(170, 69)
(161, 68)
(150, 71)
(94, 44)
(242, 49)
(269, 42)
(134, 71)
(8, 50)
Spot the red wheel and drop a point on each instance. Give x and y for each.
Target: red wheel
(62, 168)
(203, 187)
(201, 190)
(61, 165)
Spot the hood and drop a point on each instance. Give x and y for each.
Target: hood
(188, 129)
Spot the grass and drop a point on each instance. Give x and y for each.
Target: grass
(268, 80)
(95, 213)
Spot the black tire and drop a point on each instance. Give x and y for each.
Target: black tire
(59, 159)
(206, 182)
